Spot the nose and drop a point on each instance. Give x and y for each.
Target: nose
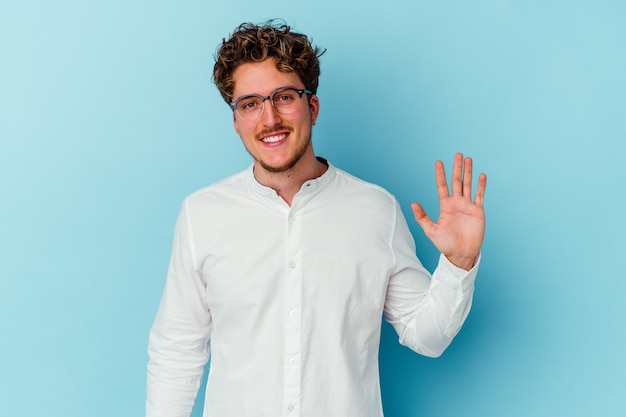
(270, 116)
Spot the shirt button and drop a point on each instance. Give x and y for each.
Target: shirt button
(291, 360)
(292, 313)
(292, 265)
(291, 407)
(292, 218)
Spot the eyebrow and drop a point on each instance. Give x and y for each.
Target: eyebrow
(261, 95)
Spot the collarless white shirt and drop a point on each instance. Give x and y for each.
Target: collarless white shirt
(287, 301)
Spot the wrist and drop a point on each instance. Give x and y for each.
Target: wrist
(462, 262)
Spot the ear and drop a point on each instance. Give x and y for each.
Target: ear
(236, 124)
(314, 108)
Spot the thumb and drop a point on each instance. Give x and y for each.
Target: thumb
(421, 217)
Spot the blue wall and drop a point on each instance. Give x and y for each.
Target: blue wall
(108, 118)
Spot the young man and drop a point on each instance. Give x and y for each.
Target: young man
(281, 273)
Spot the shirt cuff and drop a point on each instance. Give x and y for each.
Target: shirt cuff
(455, 276)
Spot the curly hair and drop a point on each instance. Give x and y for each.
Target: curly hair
(255, 43)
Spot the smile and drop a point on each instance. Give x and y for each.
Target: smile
(274, 138)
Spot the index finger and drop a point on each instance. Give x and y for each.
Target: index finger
(440, 180)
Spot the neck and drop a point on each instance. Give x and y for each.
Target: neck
(288, 183)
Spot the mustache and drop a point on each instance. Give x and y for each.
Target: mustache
(275, 129)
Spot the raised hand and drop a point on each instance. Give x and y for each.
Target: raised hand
(459, 231)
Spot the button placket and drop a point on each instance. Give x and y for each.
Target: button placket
(292, 311)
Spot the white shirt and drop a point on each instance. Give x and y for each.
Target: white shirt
(288, 301)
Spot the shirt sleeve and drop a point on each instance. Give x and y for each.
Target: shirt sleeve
(426, 311)
(178, 347)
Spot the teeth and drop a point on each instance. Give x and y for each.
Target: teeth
(272, 139)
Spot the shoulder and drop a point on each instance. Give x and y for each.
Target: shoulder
(355, 187)
(229, 189)
(350, 196)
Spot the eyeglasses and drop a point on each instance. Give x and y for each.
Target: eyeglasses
(283, 99)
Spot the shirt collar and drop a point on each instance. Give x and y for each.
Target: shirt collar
(308, 188)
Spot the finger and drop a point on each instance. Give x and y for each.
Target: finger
(440, 180)
(457, 173)
(467, 178)
(480, 190)
(421, 217)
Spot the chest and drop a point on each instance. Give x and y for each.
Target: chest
(335, 259)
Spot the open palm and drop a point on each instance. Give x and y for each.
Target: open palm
(460, 229)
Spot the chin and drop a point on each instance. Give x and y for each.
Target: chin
(278, 169)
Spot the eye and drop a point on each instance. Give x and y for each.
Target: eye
(248, 104)
(284, 97)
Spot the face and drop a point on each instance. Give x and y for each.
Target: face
(277, 142)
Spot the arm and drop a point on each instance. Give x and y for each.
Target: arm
(427, 313)
(178, 347)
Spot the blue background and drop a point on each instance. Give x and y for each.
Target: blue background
(108, 118)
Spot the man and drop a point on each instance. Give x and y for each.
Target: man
(281, 273)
